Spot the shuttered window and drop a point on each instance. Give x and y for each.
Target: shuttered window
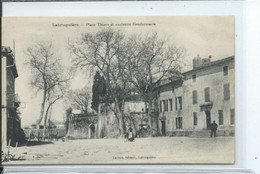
(160, 106)
(164, 106)
(170, 102)
(207, 94)
(195, 119)
(180, 103)
(179, 123)
(226, 92)
(232, 116)
(176, 103)
(220, 117)
(194, 97)
(225, 70)
(167, 106)
(194, 78)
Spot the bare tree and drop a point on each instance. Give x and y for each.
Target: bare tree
(151, 60)
(79, 99)
(128, 64)
(53, 96)
(47, 75)
(105, 51)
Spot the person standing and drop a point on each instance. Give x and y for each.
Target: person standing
(213, 127)
(131, 135)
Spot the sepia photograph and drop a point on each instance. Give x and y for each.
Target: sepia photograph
(118, 90)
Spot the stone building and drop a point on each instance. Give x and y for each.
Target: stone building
(206, 93)
(82, 126)
(11, 121)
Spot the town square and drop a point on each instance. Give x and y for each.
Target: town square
(157, 90)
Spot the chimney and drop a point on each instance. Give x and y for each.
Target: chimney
(197, 61)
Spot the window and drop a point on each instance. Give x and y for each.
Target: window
(170, 101)
(225, 70)
(179, 103)
(173, 89)
(176, 104)
(226, 92)
(194, 78)
(220, 117)
(207, 94)
(179, 123)
(160, 106)
(195, 119)
(232, 116)
(194, 97)
(164, 106)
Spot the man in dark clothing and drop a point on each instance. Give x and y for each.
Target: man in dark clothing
(213, 127)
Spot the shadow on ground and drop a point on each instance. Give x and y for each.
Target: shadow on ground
(37, 143)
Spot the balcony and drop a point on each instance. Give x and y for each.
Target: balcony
(207, 106)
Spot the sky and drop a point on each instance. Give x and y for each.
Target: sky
(212, 35)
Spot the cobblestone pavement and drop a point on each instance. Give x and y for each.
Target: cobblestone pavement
(142, 150)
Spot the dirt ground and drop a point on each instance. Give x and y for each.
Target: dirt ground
(142, 150)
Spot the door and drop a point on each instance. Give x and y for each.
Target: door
(208, 119)
(163, 128)
(92, 131)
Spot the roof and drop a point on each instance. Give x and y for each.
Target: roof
(217, 62)
(200, 68)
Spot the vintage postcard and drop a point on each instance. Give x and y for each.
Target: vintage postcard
(118, 90)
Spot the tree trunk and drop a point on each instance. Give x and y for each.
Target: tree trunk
(120, 119)
(45, 121)
(153, 119)
(38, 122)
(124, 126)
(44, 130)
(150, 105)
(120, 125)
(134, 125)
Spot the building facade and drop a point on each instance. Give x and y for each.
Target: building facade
(11, 121)
(203, 95)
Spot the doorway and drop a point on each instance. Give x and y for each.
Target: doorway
(208, 119)
(163, 128)
(92, 131)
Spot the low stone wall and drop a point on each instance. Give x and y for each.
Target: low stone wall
(83, 127)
